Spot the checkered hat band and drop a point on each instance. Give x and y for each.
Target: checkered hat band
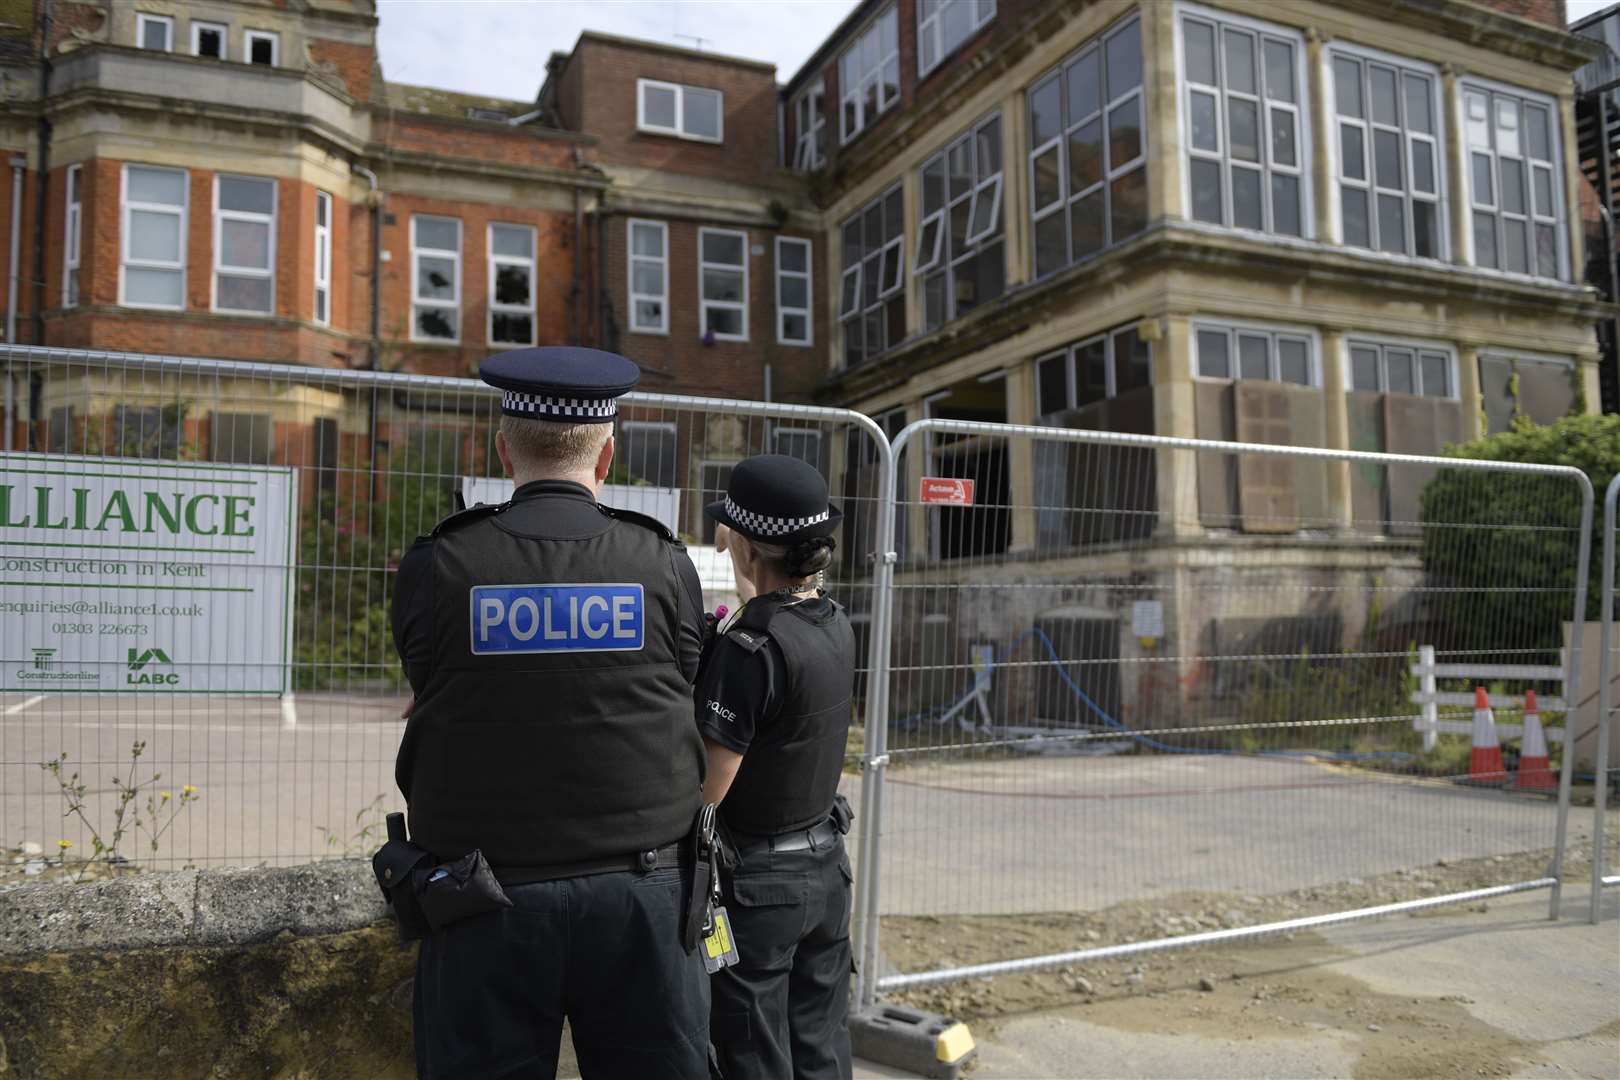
(541, 406)
(760, 525)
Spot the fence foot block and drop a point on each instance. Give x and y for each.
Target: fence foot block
(900, 1037)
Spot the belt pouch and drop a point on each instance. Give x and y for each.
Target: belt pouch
(394, 864)
(842, 815)
(458, 890)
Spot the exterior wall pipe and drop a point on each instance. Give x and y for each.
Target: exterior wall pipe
(374, 346)
(43, 172)
(18, 164)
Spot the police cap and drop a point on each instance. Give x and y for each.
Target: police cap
(561, 383)
(776, 499)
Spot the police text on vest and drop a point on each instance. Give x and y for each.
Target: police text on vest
(557, 618)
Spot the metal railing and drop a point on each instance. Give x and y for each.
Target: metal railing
(1129, 665)
(1601, 766)
(303, 769)
(1132, 665)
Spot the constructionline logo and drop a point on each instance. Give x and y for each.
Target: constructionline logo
(45, 669)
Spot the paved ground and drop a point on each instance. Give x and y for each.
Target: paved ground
(1080, 833)
(1039, 833)
(1503, 992)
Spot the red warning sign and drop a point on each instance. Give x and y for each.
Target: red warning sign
(947, 491)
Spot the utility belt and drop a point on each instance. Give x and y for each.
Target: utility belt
(822, 835)
(428, 894)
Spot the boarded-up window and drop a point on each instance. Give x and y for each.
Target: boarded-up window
(1541, 389)
(1402, 401)
(1258, 385)
(1261, 493)
(239, 438)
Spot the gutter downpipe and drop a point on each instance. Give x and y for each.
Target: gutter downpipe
(18, 165)
(374, 346)
(575, 291)
(43, 171)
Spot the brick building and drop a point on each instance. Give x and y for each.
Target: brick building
(1337, 223)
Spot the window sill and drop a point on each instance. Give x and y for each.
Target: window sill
(648, 333)
(666, 133)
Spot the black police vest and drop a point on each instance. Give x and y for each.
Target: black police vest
(789, 776)
(552, 758)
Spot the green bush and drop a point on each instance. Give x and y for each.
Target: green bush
(1507, 542)
(347, 555)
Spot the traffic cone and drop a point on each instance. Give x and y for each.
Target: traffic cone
(1485, 763)
(1535, 767)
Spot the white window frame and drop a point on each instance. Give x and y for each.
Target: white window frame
(985, 187)
(1417, 348)
(1303, 121)
(851, 90)
(271, 36)
(679, 129)
(808, 275)
(1273, 331)
(704, 304)
(323, 259)
(630, 261)
(267, 273)
(165, 21)
(73, 235)
(933, 23)
(198, 26)
(1559, 221)
(1070, 354)
(531, 264)
(182, 214)
(453, 304)
(811, 105)
(1068, 199)
(1440, 198)
(892, 253)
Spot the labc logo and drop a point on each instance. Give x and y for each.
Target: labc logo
(139, 676)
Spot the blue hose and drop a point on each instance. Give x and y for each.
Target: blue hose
(1154, 744)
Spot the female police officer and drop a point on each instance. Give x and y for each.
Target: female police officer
(773, 701)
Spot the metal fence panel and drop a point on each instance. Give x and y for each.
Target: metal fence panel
(378, 458)
(1602, 768)
(1131, 666)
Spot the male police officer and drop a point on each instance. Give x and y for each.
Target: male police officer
(552, 644)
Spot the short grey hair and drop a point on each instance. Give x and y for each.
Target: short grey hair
(548, 443)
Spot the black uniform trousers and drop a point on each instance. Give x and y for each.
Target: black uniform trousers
(604, 951)
(782, 1011)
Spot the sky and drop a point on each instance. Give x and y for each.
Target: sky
(1580, 9)
(499, 47)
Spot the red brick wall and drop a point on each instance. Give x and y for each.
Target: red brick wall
(679, 362)
(354, 63)
(508, 146)
(1550, 12)
(609, 72)
(553, 281)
